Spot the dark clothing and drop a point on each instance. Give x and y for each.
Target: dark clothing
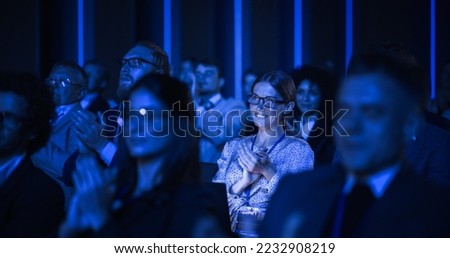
(99, 104)
(438, 121)
(161, 212)
(429, 154)
(31, 203)
(321, 143)
(305, 203)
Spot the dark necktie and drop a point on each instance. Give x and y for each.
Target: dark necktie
(357, 203)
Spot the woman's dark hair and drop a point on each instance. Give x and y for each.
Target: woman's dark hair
(182, 157)
(40, 107)
(325, 80)
(283, 84)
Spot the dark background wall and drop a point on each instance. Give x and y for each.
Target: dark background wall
(35, 33)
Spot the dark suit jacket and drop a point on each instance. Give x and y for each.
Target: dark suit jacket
(31, 203)
(429, 154)
(410, 207)
(162, 213)
(321, 144)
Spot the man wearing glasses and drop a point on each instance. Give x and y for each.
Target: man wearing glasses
(67, 82)
(143, 58)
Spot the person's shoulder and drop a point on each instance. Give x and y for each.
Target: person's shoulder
(317, 175)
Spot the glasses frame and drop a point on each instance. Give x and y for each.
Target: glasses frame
(126, 61)
(62, 83)
(266, 101)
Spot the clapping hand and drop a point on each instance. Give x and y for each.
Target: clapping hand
(257, 163)
(94, 189)
(88, 130)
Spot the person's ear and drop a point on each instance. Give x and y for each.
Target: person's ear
(221, 82)
(81, 94)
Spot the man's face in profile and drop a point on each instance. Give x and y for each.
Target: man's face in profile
(375, 123)
(66, 85)
(135, 64)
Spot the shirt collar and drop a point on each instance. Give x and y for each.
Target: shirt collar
(377, 182)
(64, 109)
(215, 99)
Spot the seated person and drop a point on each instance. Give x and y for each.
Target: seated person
(313, 123)
(373, 193)
(160, 196)
(31, 202)
(67, 82)
(251, 166)
(97, 81)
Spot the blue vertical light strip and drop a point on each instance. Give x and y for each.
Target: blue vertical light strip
(298, 31)
(80, 31)
(168, 27)
(433, 48)
(238, 49)
(348, 31)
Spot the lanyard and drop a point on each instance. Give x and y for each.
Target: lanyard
(273, 146)
(247, 191)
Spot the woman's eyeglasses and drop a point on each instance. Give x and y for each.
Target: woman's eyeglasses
(269, 102)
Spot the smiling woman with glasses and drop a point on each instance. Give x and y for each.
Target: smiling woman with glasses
(252, 166)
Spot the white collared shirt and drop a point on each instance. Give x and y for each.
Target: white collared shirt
(63, 110)
(213, 100)
(377, 182)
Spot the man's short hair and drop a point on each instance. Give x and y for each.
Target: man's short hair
(73, 66)
(212, 62)
(160, 58)
(408, 75)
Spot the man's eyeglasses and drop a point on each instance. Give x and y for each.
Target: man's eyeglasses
(10, 120)
(63, 83)
(136, 62)
(269, 102)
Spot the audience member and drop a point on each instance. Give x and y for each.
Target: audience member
(164, 198)
(67, 82)
(187, 71)
(31, 202)
(313, 119)
(375, 193)
(97, 81)
(427, 152)
(252, 166)
(221, 119)
(105, 138)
